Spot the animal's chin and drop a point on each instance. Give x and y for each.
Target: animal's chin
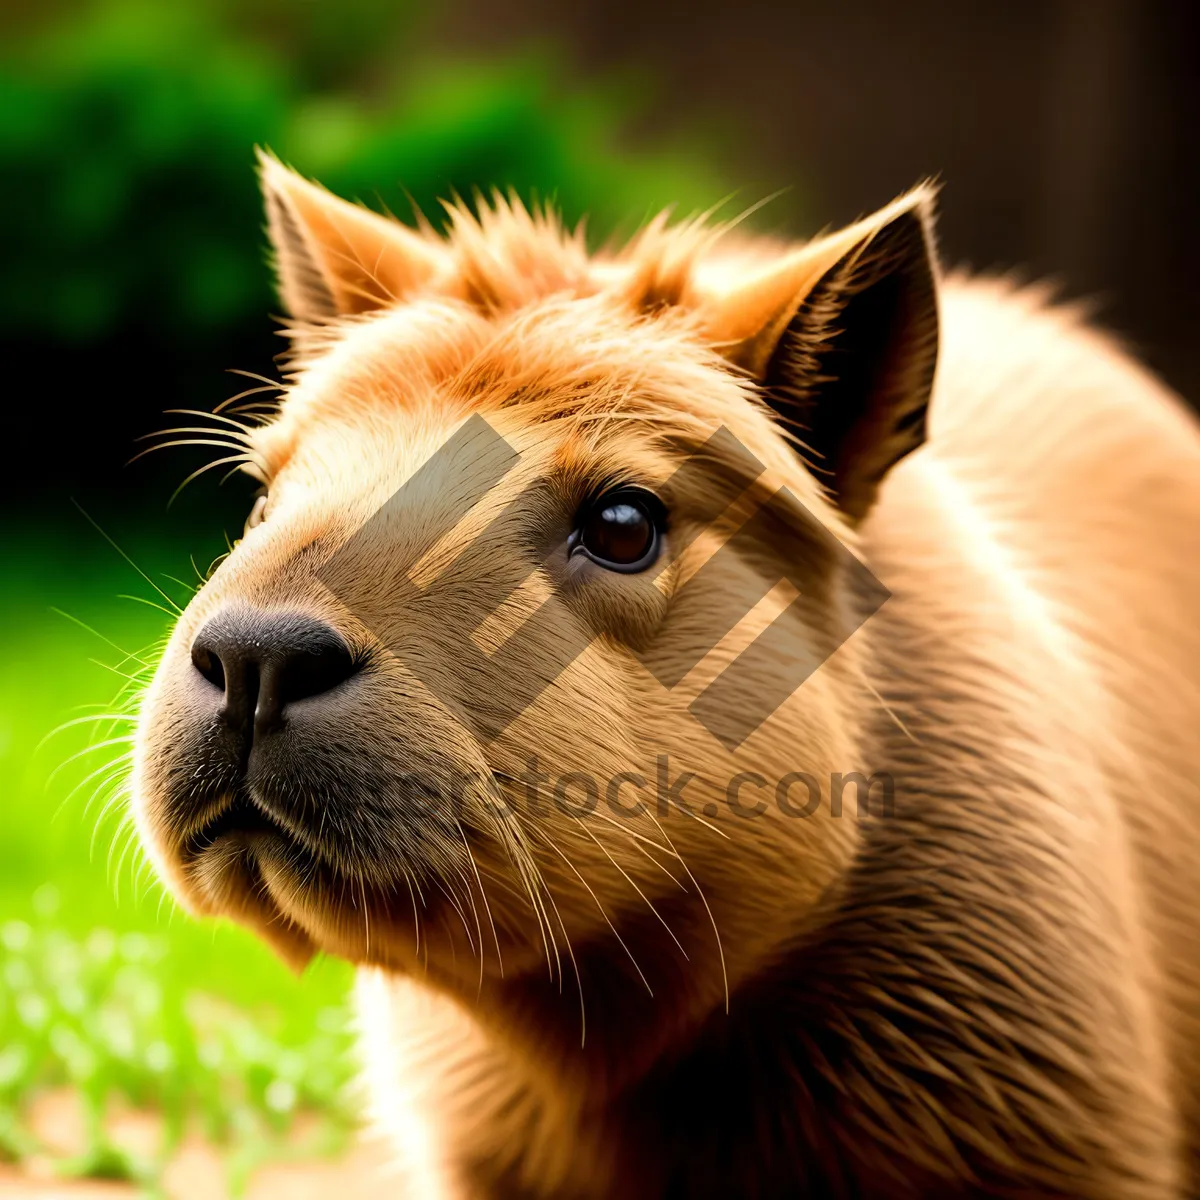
(245, 864)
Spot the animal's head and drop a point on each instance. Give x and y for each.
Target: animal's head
(436, 708)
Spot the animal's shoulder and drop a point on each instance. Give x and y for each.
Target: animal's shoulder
(1018, 370)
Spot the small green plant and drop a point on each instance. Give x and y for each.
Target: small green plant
(99, 1014)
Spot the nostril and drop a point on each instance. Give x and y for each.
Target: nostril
(208, 663)
(318, 667)
(313, 661)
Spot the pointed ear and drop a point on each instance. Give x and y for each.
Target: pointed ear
(333, 258)
(842, 337)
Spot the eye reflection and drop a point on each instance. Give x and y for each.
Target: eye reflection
(620, 531)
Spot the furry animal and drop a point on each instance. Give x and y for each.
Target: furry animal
(633, 952)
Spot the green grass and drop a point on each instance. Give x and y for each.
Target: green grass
(104, 985)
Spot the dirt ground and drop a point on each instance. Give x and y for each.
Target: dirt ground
(196, 1172)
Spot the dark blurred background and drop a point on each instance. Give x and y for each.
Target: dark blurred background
(1064, 131)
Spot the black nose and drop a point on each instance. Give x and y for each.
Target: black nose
(265, 661)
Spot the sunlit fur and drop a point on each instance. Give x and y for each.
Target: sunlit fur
(997, 986)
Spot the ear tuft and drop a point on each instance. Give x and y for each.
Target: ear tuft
(333, 258)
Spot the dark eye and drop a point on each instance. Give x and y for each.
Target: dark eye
(621, 530)
(257, 513)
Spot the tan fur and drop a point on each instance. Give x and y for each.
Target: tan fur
(995, 990)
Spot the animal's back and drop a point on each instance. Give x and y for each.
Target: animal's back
(1045, 538)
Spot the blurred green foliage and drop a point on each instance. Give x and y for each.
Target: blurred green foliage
(103, 985)
(126, 137)
(102, 1015)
